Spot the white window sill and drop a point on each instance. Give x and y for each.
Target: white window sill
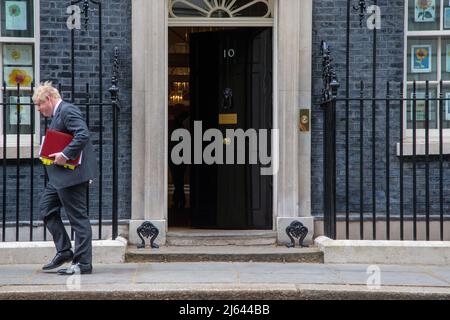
(420, 148)
(25, 151)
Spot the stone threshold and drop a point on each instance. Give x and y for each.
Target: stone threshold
(226, 253)
(206, 237)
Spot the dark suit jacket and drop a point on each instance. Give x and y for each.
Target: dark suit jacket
(68, 119)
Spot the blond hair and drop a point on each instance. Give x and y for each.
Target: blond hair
(44, 90)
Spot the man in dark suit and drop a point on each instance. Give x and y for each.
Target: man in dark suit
(67, 188)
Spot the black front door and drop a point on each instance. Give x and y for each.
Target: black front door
(231, 88)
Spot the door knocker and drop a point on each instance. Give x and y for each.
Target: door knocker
(227, 102)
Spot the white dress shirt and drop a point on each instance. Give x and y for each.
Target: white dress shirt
(54, 112)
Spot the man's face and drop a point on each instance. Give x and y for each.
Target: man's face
(45, 107)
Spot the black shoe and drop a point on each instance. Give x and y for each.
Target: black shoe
(76, 268)
(59, 260)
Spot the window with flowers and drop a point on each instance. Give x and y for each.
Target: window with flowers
(18, 70)
(427, 58)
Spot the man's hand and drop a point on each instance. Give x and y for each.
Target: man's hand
(60, 160)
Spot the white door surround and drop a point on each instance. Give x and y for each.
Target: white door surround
(292, 25)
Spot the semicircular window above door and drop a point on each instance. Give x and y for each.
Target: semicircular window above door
(220, 8)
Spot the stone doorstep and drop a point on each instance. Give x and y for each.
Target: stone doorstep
(224, 254)
(200, 238)
(384, 252)
(41, 252)
(220, 241)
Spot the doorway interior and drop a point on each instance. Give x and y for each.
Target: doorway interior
(222, 77)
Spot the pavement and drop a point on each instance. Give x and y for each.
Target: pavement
(229, 280)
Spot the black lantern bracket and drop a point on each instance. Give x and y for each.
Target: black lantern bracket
(329, 78)
(114, 89)
(361, 8)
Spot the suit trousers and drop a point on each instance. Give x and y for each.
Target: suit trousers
(73, 199)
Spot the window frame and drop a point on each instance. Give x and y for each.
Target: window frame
(25, 139)
(183, 21)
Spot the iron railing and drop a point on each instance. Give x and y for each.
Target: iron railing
(379, 164)
(22, 174)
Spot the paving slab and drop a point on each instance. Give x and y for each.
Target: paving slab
(187, 277)
(283, 268)
(188, 267)
(219, 280)
(294, 278)
(394, 279)
(382, 267)
(443, 275)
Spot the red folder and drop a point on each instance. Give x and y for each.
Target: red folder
(54, 142)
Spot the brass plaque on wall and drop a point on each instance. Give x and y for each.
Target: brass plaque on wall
(228, 118)
(304, 120)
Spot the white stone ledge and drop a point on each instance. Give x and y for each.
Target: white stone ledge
(433, 148)
(41, 252)
(24, 151)
(384, 252)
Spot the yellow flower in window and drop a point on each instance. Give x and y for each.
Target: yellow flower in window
(15, 55)
(421, 54)
(19, 76)
(424, 4)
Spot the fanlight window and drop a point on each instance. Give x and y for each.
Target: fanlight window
(220, 8)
